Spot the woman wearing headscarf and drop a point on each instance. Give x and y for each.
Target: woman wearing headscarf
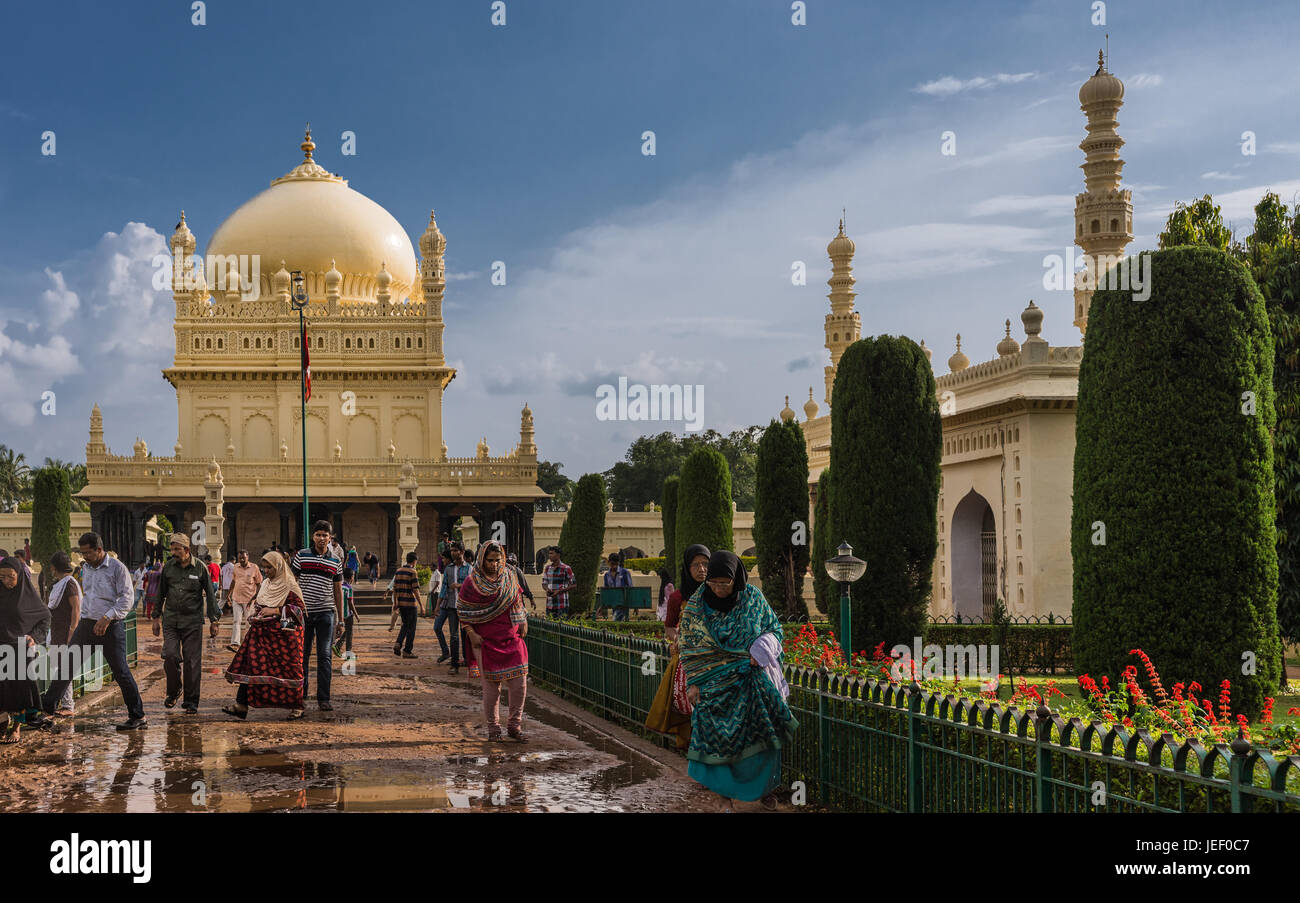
(731, 647)
(21, 615)
(491, 612)
(670, 713)
(268, 665)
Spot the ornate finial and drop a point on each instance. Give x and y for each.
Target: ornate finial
(1032, 317)
(810, 407)
(958, 361)
(1008, 345)
(1101, 60)
(307, 145)
(787, 413)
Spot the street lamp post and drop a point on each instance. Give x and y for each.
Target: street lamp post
(844, 569)
(298, 300)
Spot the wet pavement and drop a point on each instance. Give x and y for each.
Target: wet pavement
(404, 736)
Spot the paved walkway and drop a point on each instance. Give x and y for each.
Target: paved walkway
(404, 735)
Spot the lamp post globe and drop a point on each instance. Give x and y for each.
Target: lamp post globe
(298, 301)
(844, 569)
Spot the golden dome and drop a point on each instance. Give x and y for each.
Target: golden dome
(787, 413)
(841, 244)
(958, 361)
(1102, 85)
(810, 408)
(1008, 345)
(311, 219)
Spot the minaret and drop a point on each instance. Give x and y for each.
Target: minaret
(843, 325)
(433, 281)
(1103, 214)
(527, 446)
(96, 444)
(182, 246)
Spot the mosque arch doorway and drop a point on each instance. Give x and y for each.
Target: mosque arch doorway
(974, 558)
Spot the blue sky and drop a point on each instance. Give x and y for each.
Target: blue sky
(527, 140)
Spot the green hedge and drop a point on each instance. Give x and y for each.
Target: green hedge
(51, 519)
(704, 501)
(1177, 469)
(885, 495)
(582, 538)
(781, 500)
(669, 517)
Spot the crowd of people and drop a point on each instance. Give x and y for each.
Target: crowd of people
(722, 696)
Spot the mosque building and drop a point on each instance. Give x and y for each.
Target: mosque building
(1007, 467)
(377, 458)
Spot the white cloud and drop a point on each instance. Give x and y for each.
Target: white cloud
(1283, 147)
(949, 85)
(100, 333)
(1217, 176)
(1022, 203)
(1146, 80)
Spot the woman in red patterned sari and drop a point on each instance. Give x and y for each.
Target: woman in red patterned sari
(268, 666)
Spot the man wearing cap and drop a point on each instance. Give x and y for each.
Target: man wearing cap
(184, 590)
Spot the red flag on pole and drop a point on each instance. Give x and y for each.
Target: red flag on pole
(306, 366)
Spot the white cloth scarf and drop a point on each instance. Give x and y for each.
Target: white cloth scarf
(57, 591)
(766, 650)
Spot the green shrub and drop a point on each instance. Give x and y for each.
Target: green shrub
(51, 506)
(781, 499)
(670, 520)
(704, 501)
(652, 565)
(1177, 469)
(824, 589)
(884, 501)
(582, 537)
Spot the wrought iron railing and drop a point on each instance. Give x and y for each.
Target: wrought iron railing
(867, 746)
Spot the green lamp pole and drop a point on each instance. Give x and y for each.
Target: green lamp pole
(298, 300)
(844, 569)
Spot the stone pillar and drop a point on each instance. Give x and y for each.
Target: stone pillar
(527, 552)
(136, 552)
(390, 552)
(409, 521)
(214, 520)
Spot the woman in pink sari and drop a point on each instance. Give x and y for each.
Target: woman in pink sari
(491, 610)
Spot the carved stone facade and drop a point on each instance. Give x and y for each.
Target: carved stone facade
(374, 329)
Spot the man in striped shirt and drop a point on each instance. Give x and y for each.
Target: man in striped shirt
(320, 576)
(406, 599)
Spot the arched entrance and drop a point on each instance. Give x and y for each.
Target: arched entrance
(974, 558)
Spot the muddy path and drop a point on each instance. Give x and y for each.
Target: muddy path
(404, 735)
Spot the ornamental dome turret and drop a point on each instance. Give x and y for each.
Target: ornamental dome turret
(308, 217)
(432, 242)
(1102, 86)
(787, 412)
(1008, 346)
(810, 408)
(958, 361)
(841, 244)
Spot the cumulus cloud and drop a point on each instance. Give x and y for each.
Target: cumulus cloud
(949, 85)
(1217, 176)
(100, 333)
(1022, 203)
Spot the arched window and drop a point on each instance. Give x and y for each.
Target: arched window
(1114, 225)
(1096, 226)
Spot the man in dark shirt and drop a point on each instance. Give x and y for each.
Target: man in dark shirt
(185, 589)
(406, 598)
(320, 576)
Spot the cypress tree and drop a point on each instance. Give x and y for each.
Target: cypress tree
(582, 538)
(781, 502)
(670, 524)
(1173, 526)
(51, 504)
(824, 589)
(704, 501)
(884, 501)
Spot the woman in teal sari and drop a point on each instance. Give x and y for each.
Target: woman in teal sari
(730, 650)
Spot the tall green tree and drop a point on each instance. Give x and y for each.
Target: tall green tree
(1197, 223)
(582, 538)
(550, 479)
(51, 520)
(1172, 529)
(885, 497)
(824, 543)
(669, 514)
(15, 478)
(652, 459)
(781, 517)
(1272, 252)
(704, 501)
(76, 480)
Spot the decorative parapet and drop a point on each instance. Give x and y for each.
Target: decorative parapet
(1064, 356)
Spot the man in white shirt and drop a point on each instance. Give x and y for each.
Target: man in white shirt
(227, 578)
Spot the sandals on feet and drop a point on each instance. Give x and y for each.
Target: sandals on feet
(295, 714)
(232, 710)
(518, 736)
